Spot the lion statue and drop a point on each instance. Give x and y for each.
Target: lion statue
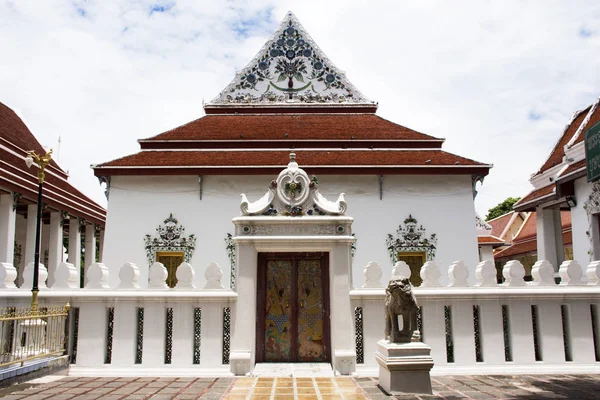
(400, 300)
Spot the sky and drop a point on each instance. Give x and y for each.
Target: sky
(499, 80)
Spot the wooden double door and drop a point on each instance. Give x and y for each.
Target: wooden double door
(293, 308)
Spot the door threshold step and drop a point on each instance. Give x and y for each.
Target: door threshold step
(299, 370)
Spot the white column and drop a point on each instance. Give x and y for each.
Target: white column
(100, 244)
(486, 253)
(549, 235)
(29, 254)
(90, 248)
(243, 328)
(55, 246)
(44, 240)
(30, 235)
(7, 229)
(342, 317)
(74, 243)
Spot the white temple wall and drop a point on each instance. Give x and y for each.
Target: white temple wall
(580, 223)
(441, 204)
(137, 205)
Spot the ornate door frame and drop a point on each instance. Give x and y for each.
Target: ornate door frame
(263, 258)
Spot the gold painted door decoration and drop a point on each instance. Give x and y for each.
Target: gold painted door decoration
(310, 311)
(171, 260)
(294, 311)
(278, 339)
(415, 261)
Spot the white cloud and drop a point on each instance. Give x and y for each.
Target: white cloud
(498, 80)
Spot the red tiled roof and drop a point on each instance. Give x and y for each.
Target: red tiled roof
(557, 154)
(528, 202)
(490, 239)
(530, 226)
(424, 159)
(522, 248)
(527, 247)
(287, 127)
(15, 135)
(579, 165)
(594, 119)
(15, 176)
(498, 224)
(528, 230)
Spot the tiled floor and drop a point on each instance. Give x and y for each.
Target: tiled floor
(263, 388)
(516, 387)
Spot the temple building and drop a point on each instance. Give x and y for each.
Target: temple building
(69, 218)
(566, 197)
(357, 188)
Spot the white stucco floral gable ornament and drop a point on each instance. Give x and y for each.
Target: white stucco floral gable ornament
(294, 194)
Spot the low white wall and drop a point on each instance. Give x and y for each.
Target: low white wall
(92, 330)
(520, 331)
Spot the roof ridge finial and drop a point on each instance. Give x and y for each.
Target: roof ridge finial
(293, 162)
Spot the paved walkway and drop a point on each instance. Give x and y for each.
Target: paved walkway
(522, 387)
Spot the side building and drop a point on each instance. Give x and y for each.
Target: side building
(561, 184)
(70, 220)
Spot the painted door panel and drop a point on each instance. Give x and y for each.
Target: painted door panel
(293, 313)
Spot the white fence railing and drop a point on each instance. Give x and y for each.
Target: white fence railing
(518, 326)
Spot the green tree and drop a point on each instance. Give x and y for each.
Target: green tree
(505, 207)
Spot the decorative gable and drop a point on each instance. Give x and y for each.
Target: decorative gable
(290, 68)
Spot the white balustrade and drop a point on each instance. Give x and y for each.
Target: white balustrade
(129, 275)
(213, 275)
(65, 277)
(430, 273)
(185, 277)
(593, 273)
(372, 273)
(513, 273)
(158, 276)
(97, 276)
(571, 273)
(542, 273)
(485, 274)
(486, 329)
(28, 276)
(8, 274)
(401, 269)
(458, 273)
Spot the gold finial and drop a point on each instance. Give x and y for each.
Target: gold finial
(40, 161)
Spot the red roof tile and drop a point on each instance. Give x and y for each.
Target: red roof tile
(522, 248)
(15, 135)
(286, 127)
(498, 224)
(58, 193)
(527, 247)
(579, 165)
(557, 154)
(528, 229)
(528, 202)
(490, 239)
(594, 119)
(279, 159)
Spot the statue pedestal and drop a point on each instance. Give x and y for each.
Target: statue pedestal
(404, 367)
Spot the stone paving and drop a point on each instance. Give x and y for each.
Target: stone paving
(521, 387)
